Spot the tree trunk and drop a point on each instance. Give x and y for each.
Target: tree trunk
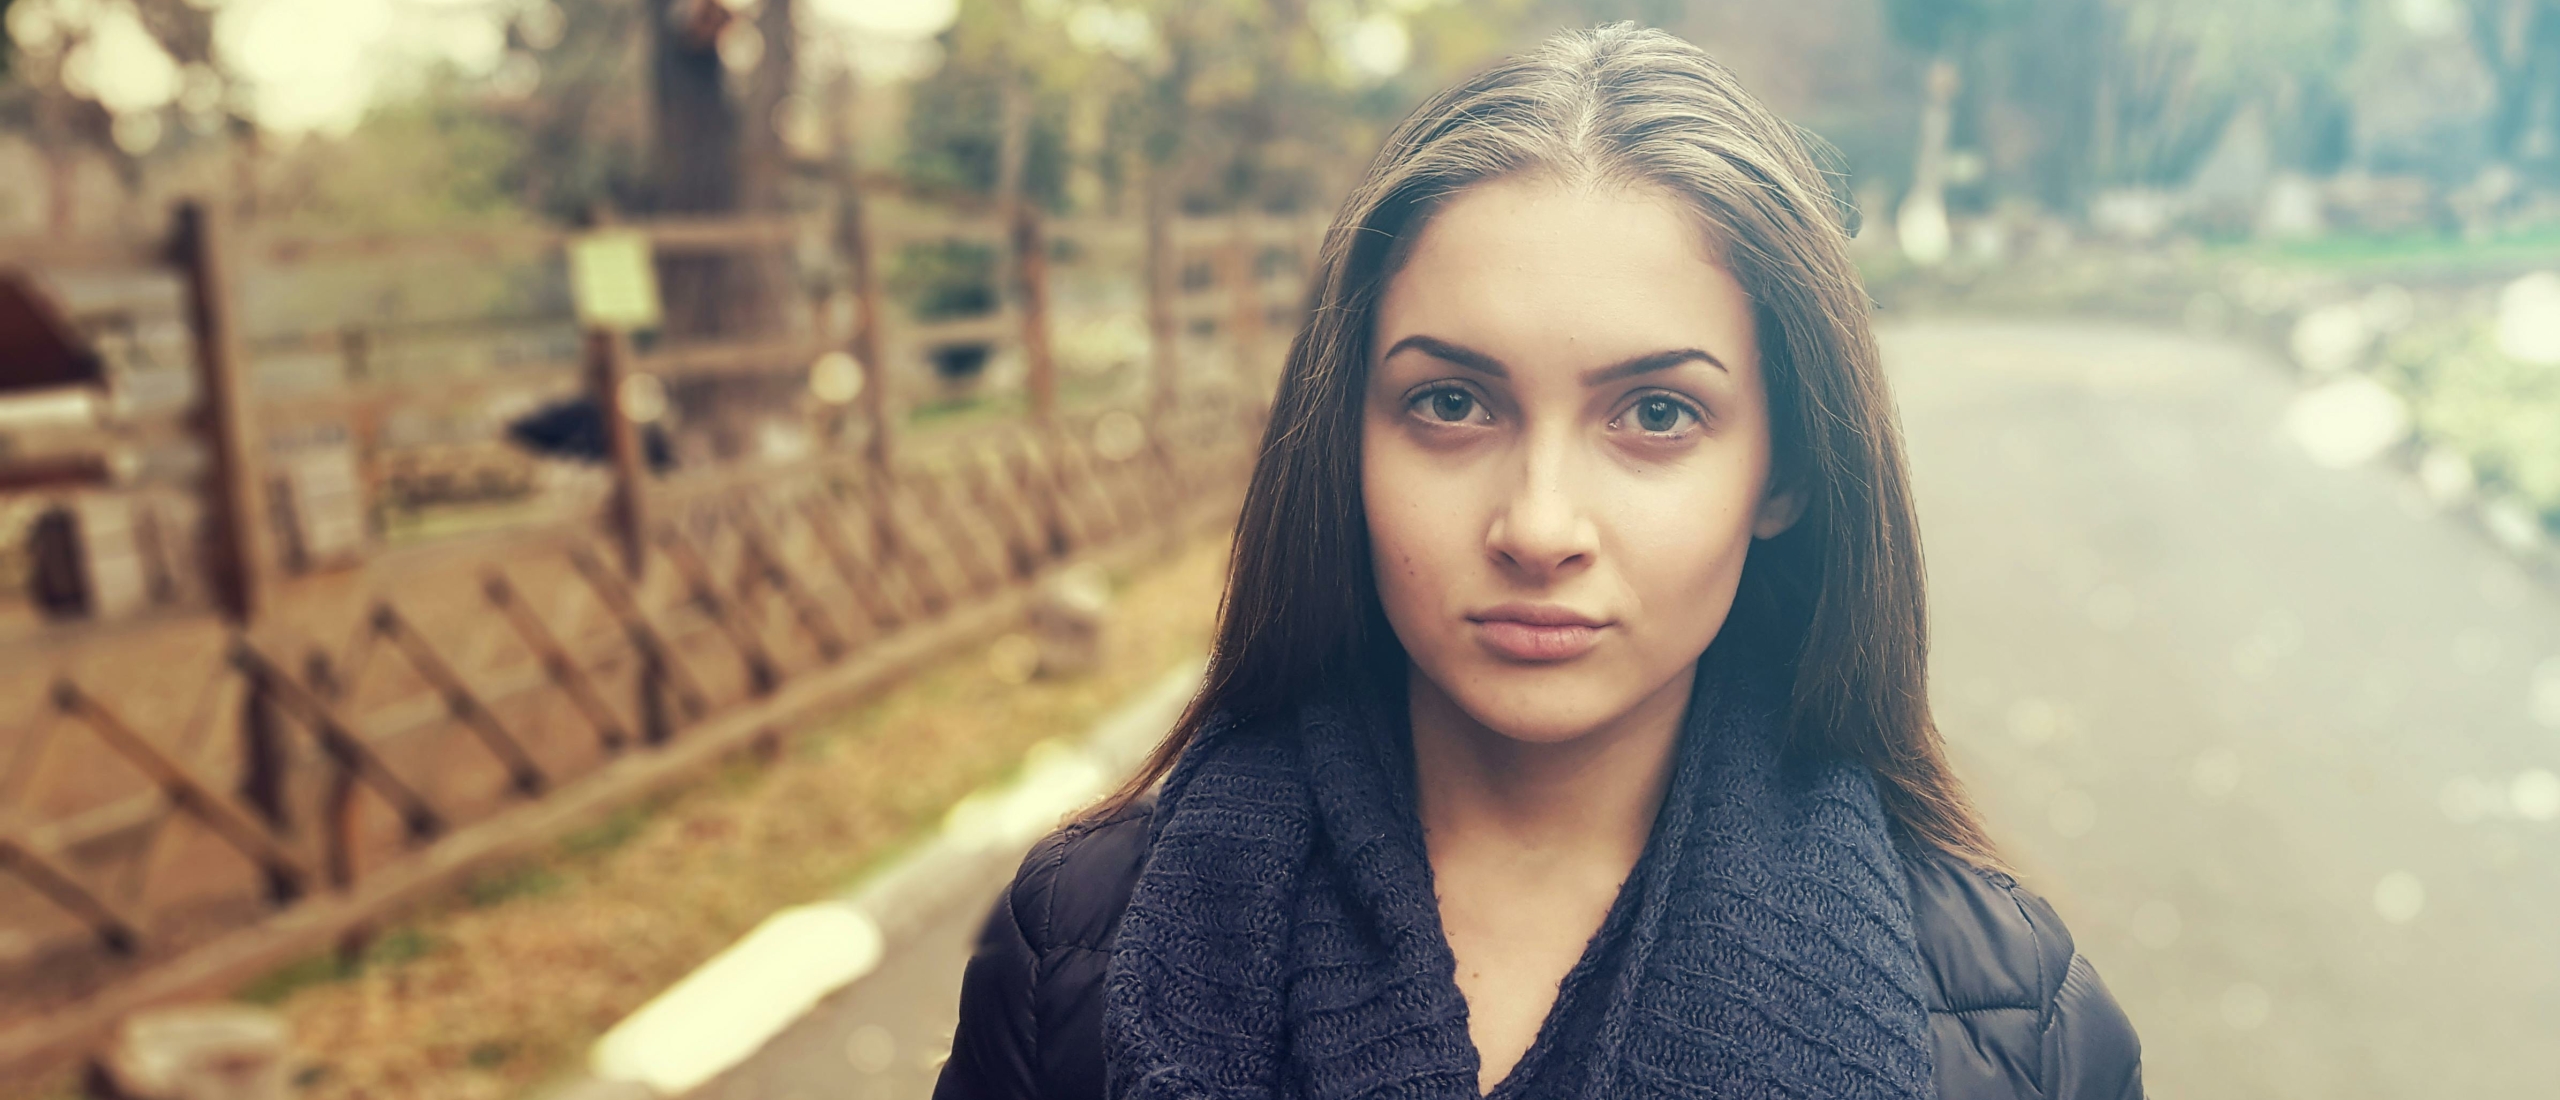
(1028, 290)
(694, 154)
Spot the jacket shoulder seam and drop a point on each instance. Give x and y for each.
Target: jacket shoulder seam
(1060, 845)
(1980, 1009)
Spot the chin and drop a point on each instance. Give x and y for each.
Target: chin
(1538, 706)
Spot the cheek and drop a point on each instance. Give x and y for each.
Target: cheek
(1414, 531)
(1680, 549)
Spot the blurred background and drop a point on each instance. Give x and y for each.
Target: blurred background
(563, 548)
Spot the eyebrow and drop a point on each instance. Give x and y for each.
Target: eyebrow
(1470, 358)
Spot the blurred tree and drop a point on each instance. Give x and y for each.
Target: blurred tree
(2519, 42)
(70, 123)
(2032, 104)
(2181, 70)
(583, 116)
(435, 158)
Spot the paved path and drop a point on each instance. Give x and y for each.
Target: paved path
(882, 1039)
(2224, 706)
(2214, 695)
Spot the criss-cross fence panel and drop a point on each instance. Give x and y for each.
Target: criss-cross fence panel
(212, 788)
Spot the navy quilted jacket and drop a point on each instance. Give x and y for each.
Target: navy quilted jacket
(2016, 1012)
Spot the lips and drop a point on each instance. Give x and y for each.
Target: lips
(1537, 632)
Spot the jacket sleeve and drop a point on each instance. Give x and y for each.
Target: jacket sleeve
(2098, 1056)
(994, 1047)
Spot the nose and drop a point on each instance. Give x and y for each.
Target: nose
(1543, 530)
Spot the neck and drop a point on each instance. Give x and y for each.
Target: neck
(1593, 795)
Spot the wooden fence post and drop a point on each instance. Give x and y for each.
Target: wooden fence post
(1244, 281)
(234, 502)
(1031, 267)
(870, 343)
(854, 239)
(608, 369)
(233, 494)
(355, 353)
(1160, 274)
(627, 515)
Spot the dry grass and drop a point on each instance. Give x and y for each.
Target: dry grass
(492, 992)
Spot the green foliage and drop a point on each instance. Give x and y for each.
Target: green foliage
(2187, 66)
(1936, 26)
(2403, 255)
(613, 832)
(2497, 411)
(943, 279)
(427, 161)
(444, 153)
(954, 125)
(584, 132)
(390, 949)
(509, 883)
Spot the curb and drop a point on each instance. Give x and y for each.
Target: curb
(723, 1012)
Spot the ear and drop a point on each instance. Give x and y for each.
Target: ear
(1779, 510)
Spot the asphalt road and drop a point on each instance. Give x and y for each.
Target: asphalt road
(884, 1037)
(2254, 725)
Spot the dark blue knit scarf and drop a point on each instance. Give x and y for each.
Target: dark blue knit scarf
(1284, 939)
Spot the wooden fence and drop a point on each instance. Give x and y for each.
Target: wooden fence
(203, 793)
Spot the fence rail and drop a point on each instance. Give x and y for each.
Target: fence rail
(189, 799)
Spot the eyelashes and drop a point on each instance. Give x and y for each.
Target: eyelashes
(1654, 414)
(1650, 406)
(1445, 403)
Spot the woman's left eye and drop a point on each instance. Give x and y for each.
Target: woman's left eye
(1658, 414)
(1445, 405)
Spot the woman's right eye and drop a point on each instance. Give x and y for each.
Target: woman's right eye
(1448, 406)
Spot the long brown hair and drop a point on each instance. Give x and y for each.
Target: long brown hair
(1841, 592)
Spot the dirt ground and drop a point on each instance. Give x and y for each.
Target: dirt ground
(500, 988)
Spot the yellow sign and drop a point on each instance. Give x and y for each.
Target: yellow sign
(611, 278)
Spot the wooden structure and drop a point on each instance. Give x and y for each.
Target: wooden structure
(196, 796)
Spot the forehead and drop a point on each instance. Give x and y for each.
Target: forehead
(1561, 276)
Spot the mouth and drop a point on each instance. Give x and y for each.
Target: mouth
(1537, 633)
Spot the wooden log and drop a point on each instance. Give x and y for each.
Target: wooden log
(646, 638)
(967, 544)
(762, 674)
(337, 736)
(1100, 507)
(120, 931)
(1003, 511)
(884, 595)
(712, 360)
(885, 514)
(286, 874)
(557, 664)
(464, 704)
(763, 549)
(1037, 468)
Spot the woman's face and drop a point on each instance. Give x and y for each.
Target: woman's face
(1565, 452)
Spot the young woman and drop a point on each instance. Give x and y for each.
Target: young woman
(1566, 733)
